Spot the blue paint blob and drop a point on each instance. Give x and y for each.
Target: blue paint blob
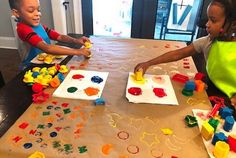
(28, 145)
(96, 79)
(53, 134)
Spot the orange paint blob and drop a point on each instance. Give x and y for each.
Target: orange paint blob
(106, 149)
(90, 91)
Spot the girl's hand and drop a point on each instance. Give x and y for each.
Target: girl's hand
(233, 101)
(84, 51)
(144, 66)
(82, 40)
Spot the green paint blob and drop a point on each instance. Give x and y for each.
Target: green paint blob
(72, 89)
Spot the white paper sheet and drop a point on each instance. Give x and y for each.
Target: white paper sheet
(148, 96)
(208, 145)
(81, 84)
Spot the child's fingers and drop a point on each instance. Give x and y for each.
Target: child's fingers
(233, 101)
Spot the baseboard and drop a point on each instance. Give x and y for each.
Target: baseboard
(8, 42)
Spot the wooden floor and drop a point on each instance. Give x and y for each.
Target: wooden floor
(9, 63)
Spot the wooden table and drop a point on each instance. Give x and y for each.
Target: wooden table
(119, 128)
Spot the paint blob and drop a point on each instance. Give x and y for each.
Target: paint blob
(135, 91)
(96, 79)
(158, 79)
(72, 89)
(159, 92)
(142, 81)
(53, 134)
(90, 91)
(77, 76)
(28, 145)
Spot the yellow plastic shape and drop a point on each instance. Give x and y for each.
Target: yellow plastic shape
(36, 69)
(37, 154)
(63, 69)
(221, 150)
(167, 131)
(207, 131)
(139, 75)
(87, 45)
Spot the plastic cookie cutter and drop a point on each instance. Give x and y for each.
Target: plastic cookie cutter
(191, 121)
(139, 75)
(87, 45)
(37, 154)
(219, 102)
(99, 101)
(40, 97)
(216, 100)
(180, 78)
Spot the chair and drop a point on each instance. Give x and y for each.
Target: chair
(182, 23)
(22, 47)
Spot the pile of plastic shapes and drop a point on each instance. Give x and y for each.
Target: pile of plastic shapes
(222, 143)
(48, 58)
(191, 85)
(41, 78)
(45, 75)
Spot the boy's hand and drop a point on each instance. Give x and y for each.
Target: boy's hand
(82, 40)
(85, 52)
(141, 66)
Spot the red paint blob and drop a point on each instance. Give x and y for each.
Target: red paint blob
(159, 92)
(135, 91)
(72, 67)
(77, 76)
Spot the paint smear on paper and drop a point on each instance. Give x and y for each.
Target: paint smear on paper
(158, 79)
(159, 92)
(72, 89)
(90, 91)
(77, 76)
(96, 79)
(135, 91)
(136, 81)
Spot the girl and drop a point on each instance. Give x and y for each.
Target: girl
(219, 48)
(37, 36)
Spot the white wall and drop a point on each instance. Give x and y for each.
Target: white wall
(78, 16)
(69, 21)
(59, 16)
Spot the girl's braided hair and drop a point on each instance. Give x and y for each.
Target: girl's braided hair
(230, 17)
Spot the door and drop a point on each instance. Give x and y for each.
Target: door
(120, 18)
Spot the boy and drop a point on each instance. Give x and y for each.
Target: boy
(37, 36)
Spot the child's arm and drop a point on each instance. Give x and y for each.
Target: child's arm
(60, 50)
(167, 57)
(65, 38)
(68, 39)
